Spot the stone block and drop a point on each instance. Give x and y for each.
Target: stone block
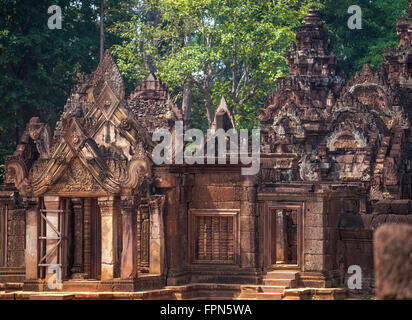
(247, 223)
(213, 193)
(215, 205)
(393, 261)
(15, 258)
(314, 262)
(247, 259)
(314, 246)
(315, 207)
(314, 233)
(247, 209)
(247, 241)
(400, 206)
(225, 179)
(107, 271)
(314, 220)
(17, 214)
(16, 243)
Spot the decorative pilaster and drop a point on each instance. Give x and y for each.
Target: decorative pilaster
(157, 238)
(78, 235)
(109, 237)
(87, 205)
(247, 221)
(129, 250)
(31, 206)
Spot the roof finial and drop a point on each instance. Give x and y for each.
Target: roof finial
(312, 18)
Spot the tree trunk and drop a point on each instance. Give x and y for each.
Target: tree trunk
(187, 105)
(209, 108)
(153, 18)
(101, 30)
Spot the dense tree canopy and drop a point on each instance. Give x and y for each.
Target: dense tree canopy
(201, 49)
(218, 47)
(355, 48)
(38, 66)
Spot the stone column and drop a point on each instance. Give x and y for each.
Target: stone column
(314, 234)
(31, 206)
(157, 241)
(280, 237)
(247, 221)
(78, 235)
(129, 250)
(52, 206)
(87, 206)
(109, 237)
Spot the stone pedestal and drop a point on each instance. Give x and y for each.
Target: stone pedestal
(109, 237)
(157, 241)
(128, 266)
(32, 236)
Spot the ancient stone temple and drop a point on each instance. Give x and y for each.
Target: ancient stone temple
(88, 205)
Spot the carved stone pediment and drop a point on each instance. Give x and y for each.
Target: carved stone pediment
(107, 101)
(98, 147)
(76, 179)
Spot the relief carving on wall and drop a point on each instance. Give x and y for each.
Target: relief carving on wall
(76, 178)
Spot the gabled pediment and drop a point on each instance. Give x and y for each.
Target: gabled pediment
(97, 138)
(223, 117)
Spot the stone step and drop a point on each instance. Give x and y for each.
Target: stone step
(281, 275)
(81, 286)
(52, 297)
(272, 289)
(279, 282)
(11, 286)
(248, 295)
(269, 296)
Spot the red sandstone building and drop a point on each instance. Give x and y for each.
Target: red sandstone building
(335, 163)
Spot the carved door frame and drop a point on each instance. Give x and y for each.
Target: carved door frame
(3, 235)
(269, 232)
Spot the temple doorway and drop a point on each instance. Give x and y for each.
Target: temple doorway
(70, 237)
(284, 236)
(85, 235)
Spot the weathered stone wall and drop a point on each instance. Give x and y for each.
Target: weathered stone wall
(393, 261)
(15, 237)
(220, 190)
(314, 235)
(223, 190)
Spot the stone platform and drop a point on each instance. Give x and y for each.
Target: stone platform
(195, 291)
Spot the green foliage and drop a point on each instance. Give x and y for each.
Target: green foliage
(225, 48)
(222, 47)
(355, 48)
(38, 66)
